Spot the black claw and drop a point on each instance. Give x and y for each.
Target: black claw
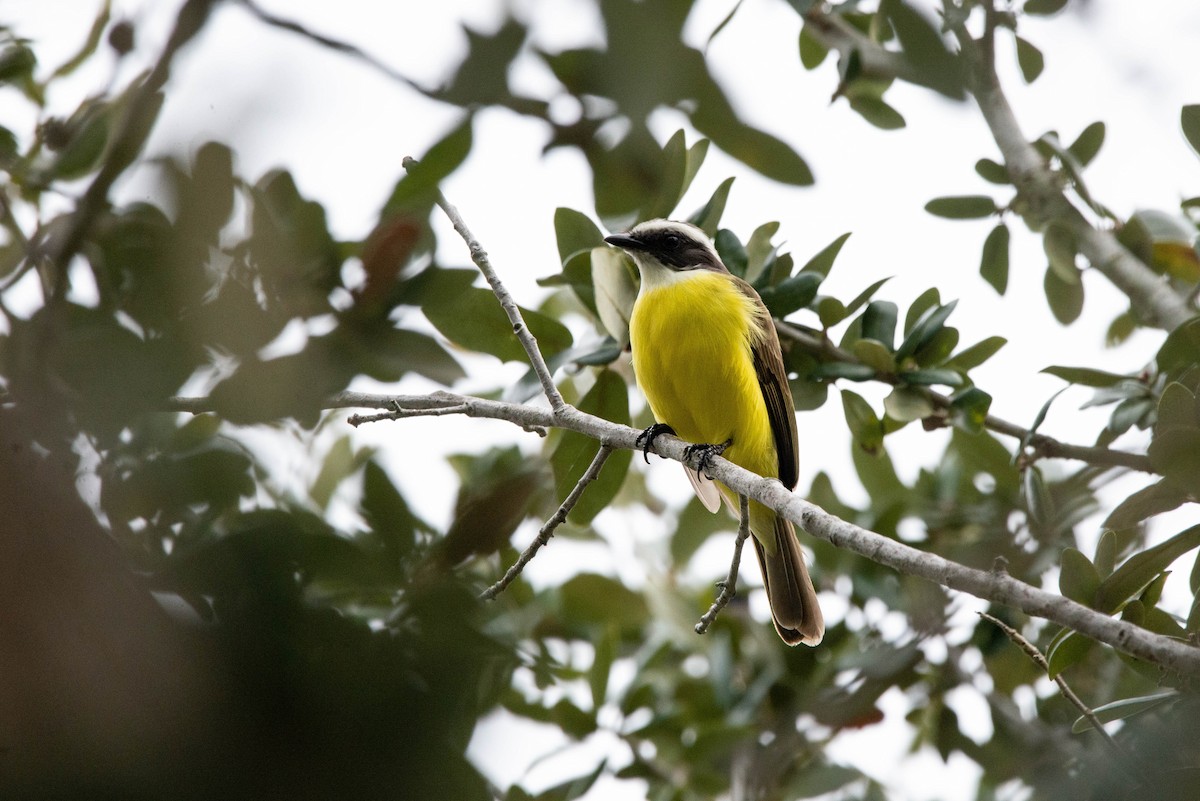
(645, 440)
(707, 452)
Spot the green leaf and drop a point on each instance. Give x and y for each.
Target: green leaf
(760, 253)
(937, 348)
(732, 251)
(606, 653)
(926, 328)
(1088, 143)
(1060, 247)
(823, 261)
(1181, 350)
(1120, 329)
(1176, 454)
(847, 370)
(593, 599)
(474, 320)
(1044, 7)
(615, 287)
(791, 294)
(993, 265)
(865, 295)
(924, 302)
(934, 64)
(1038, 501)
(812, 51)
(969, 409)
(575, 232)
(1065, 297)
(864, 425)
(949, 378)
(907, 404)
(831, 311)
(879, 322)
(1106, 554)
(962, 207)
(708, 217)
(877, 112)
(993, 172)
(1125, 708)
(1030, 60)
(875, 354)
(1078, 579)
(1069, 650)
(1189, 121)
(1141, 568)
(609, 399)
(1085, 376)
(977, 354)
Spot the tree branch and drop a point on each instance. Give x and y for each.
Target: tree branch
(1042, 445)
(1155, 303)
(729, 584)
(1153, 299)
(528, 342)
(547, 531)
(993, 586)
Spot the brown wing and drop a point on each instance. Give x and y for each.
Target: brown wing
(772, 378)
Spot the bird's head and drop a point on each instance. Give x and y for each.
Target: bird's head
(663, 249)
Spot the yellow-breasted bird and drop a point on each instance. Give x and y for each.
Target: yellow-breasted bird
(707, 358)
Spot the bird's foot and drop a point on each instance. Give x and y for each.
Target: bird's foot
(645, 440)
(706, 452)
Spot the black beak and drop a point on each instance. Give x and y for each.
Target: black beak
(625, 241)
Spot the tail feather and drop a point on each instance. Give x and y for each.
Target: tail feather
(790, 591)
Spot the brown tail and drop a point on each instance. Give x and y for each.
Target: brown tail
(790, 591)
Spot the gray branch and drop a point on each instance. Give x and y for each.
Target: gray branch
(992, 586)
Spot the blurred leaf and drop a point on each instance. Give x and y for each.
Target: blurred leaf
(812, 52)
(1085, 376)
(696, 524)
(864, 425)
(482, 77)
(962, 207)
(906, 404)
(924, 302)
(595, 600)
(1181, 349)
(1038, 500)
(1060, 247)
(1161, 496)
(878, 112)
(862, 297)
(495, 494)
(473, 319)
(1141, 568)
(337, 466)
(830, 311)
(823, 261)
(1067, 651)
(977, 354)
(1088, 143)
(609, 399)
(575, 232)
(879, 322)
(926, 328)
(1044, 7)
(708, 217)
(1125, 708)
(1106, 553)
(935, 65)
(821, 780)
(969, 409)
(993, 265)
(1078, 579)
(993, 172)
(616, 289)
(791, 294)
(732, 252)
(1029, 59)
(874, 354)
(417, 189)
(948, 378)
(1065, 297)
(1189, 121)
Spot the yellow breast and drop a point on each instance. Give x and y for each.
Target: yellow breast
(691, 340)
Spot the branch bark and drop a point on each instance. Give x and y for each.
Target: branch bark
(992, 586)
(1155, 303)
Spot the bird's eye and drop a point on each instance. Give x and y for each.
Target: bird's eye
(672, 242)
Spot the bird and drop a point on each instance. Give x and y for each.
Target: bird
(707, 358)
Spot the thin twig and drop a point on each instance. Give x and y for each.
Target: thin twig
(1043, 446)
(480, 257)
(399, 412)
(729, 585)
(1034, 654)
(547, 531)
(995, 586)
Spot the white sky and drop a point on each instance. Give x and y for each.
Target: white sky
(343, 129)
